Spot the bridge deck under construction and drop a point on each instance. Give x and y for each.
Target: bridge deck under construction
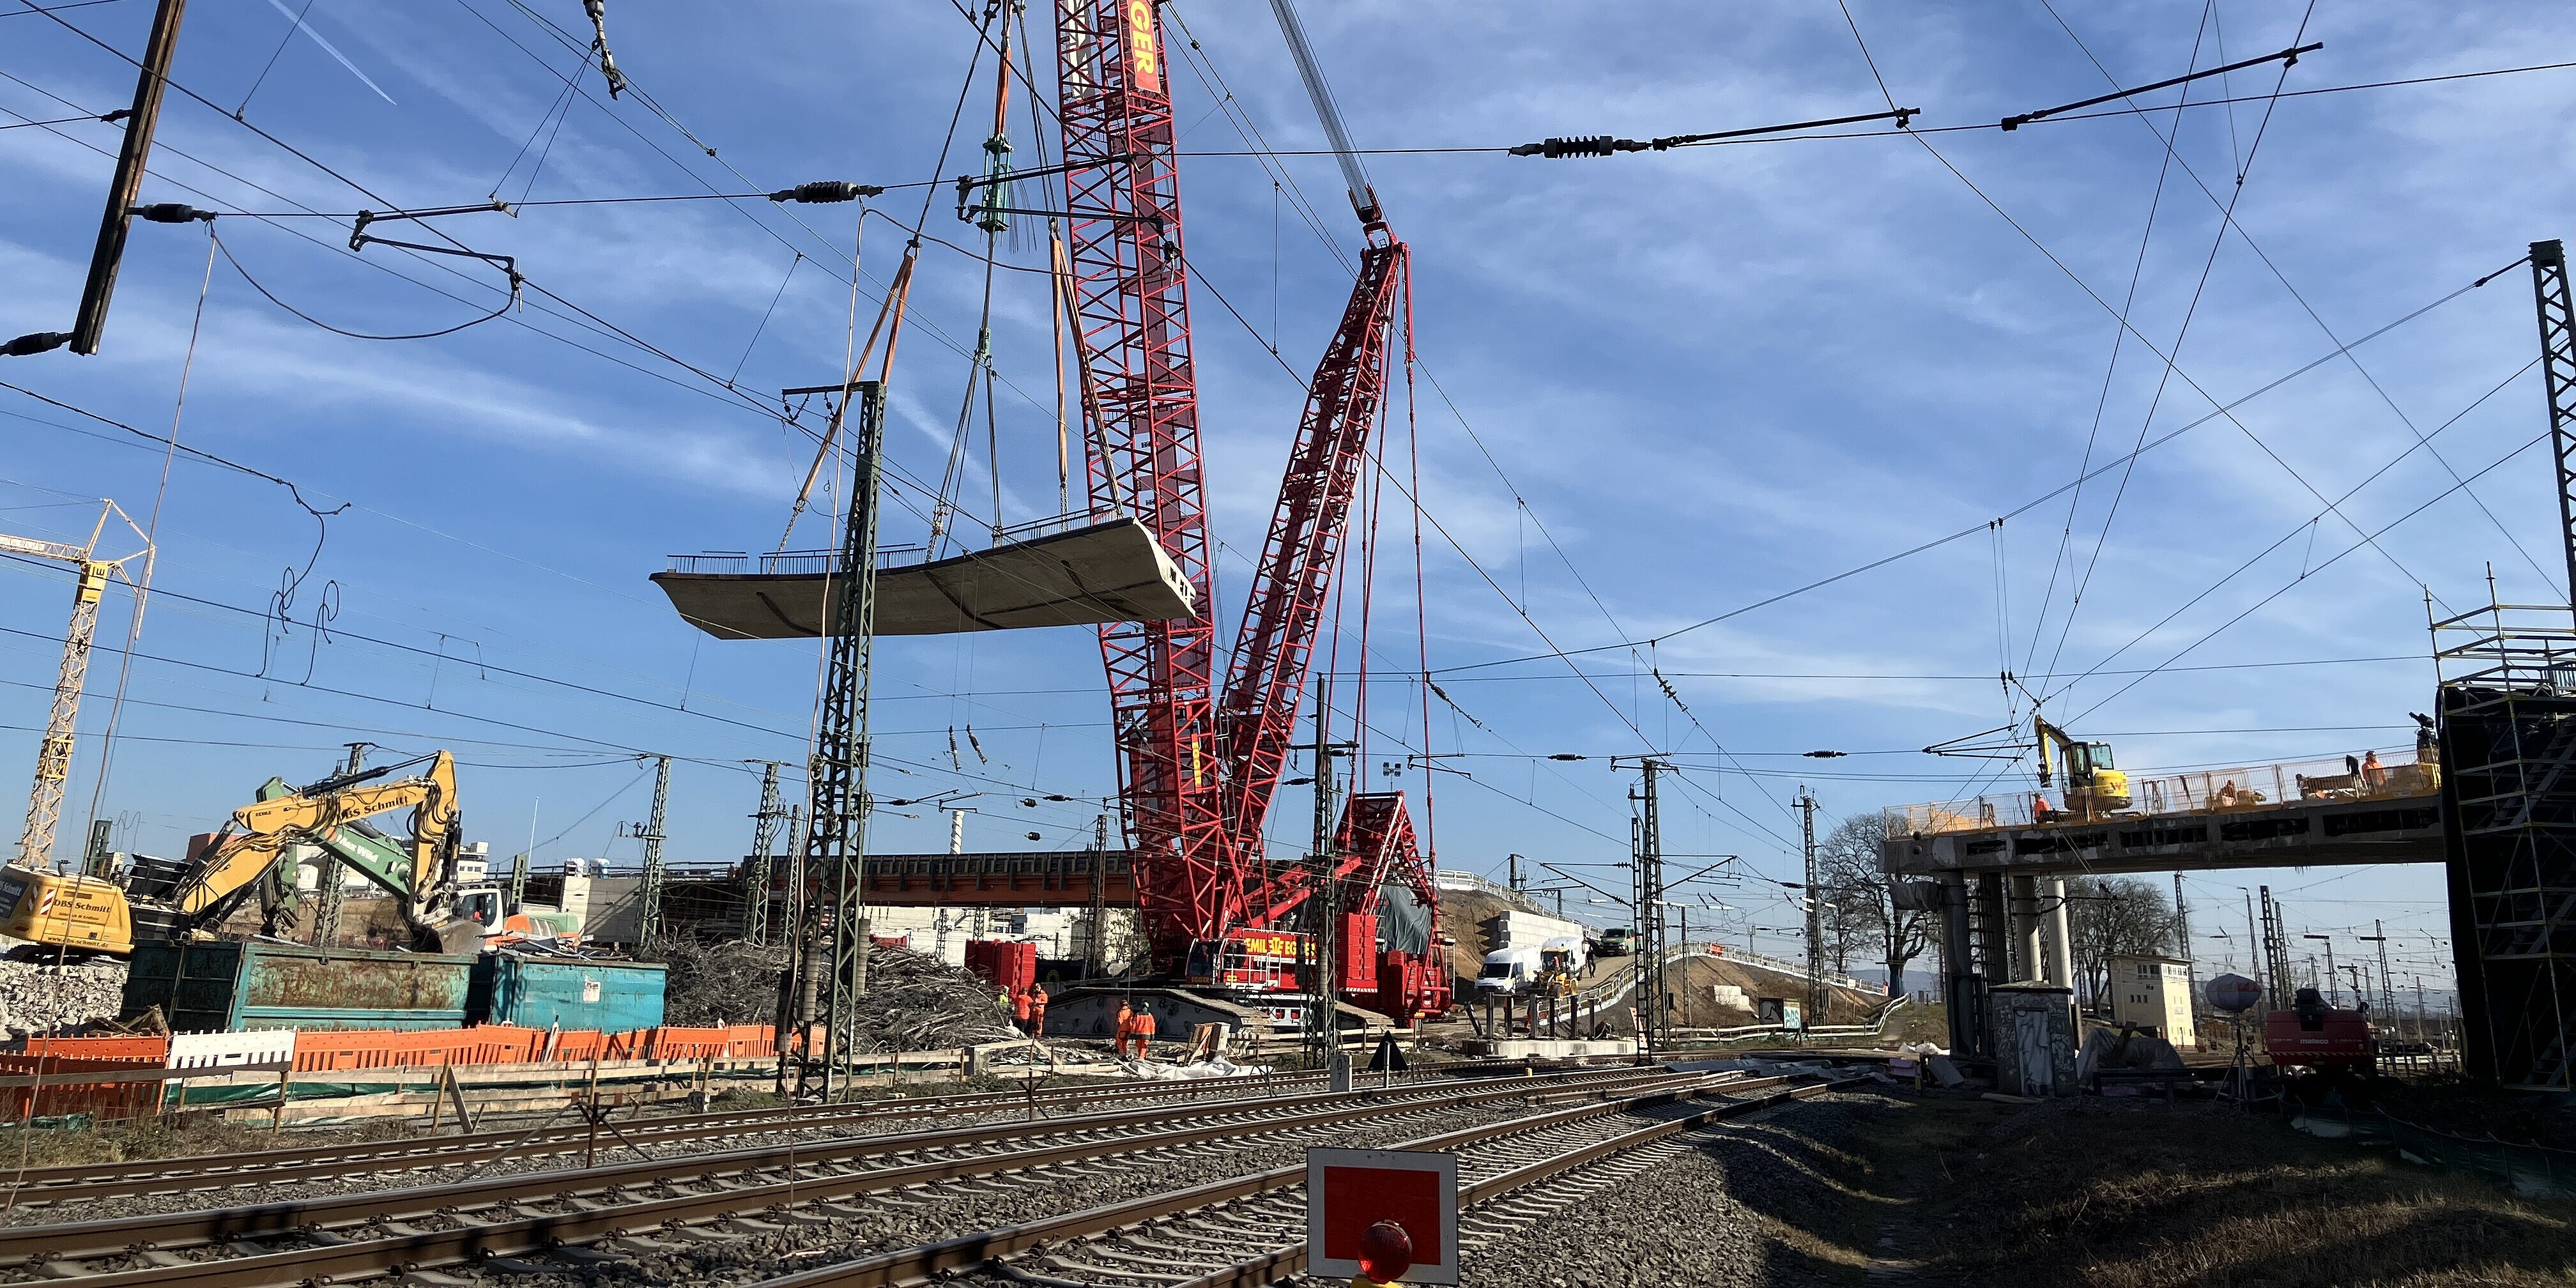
(2268, 816)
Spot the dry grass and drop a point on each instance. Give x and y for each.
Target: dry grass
(2153, 1196)
(178, 1136)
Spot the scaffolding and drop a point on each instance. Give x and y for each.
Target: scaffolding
(2508, 737)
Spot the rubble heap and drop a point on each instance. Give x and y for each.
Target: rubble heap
(41, 997)
(914, 1002)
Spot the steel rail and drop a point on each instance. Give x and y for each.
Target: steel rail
(74, 1182)
(968, 1252)
(1280, 1263)
(595, 1206)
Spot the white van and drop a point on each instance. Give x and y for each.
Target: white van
(1508, 970)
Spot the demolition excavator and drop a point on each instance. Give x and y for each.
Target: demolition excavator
(92, 914)
(2094, 788)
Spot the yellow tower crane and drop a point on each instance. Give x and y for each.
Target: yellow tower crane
(54, 755)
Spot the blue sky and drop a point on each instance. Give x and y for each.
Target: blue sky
(1694, 379)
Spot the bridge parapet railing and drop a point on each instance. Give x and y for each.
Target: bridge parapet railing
(2219, 790)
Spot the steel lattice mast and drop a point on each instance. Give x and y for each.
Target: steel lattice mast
(1292, 582)
(1198, 769)
(1131, 303)
(2558, 380)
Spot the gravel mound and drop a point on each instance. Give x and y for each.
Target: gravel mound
(38, 998)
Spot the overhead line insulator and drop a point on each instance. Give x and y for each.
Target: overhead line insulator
(825, 191)
(1590, 145)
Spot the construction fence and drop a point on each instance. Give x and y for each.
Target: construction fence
(127, 1077)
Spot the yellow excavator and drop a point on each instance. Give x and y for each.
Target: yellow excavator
(93, 914)
(2094, 789)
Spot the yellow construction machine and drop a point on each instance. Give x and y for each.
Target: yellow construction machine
(2093, 788)
(92, 914)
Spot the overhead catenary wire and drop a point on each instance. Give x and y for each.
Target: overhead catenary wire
(2228, 222)
(2222, 410)
(2191, 311)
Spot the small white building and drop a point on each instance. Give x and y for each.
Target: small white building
(2154, 993)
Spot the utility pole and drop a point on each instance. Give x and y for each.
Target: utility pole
(140, 121)
(648, 896)
(836, 829)
(2182, 940)
(2254, 948)
(1815, 909)
(329, 892)
(977, 921)
(1323, 1015)
(2380, 938)
(1095, 949)
(2276, 950)
(1647, 860)
(758, 878)
(2334, 987)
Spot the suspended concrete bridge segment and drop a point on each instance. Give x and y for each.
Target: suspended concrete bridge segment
(1107, 572)
(2267, 816)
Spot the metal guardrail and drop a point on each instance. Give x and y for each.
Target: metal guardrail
(1876, 1026)
(784, 563)
(2199, 791)
(1611, 989)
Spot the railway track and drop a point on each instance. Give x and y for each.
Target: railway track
(1195, 1238)
(80, 1183)
(586, 1217)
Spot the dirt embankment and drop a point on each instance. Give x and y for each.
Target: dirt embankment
(2144, 1195)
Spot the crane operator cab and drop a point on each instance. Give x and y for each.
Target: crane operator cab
(2095, 788)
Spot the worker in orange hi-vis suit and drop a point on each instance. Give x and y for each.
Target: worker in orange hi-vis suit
(1020, 1009)
(1144, 1033)
(1037, 1013)
(1126, 1022)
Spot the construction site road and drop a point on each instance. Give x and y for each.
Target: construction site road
(356, 1236)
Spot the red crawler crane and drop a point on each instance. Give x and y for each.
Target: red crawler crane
(1198, 767)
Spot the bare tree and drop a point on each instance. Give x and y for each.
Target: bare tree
(1864, 914)
(2116, 917)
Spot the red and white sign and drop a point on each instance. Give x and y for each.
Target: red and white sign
(1349, 1190)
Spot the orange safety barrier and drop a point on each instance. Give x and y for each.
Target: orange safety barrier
(668, 1043)
(71, 1096)
(750, 1040)
(335, 1050)
(131, 1050)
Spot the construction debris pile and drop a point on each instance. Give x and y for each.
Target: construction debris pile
(41, 997)
(731, 982)
(916, 1002)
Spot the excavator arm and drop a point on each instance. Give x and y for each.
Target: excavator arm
(2048, 736)
(331, 814)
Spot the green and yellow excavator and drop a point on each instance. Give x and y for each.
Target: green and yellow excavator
(93, 914)
(2094, 789)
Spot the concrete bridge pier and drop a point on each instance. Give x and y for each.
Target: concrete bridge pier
(2025, 927)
